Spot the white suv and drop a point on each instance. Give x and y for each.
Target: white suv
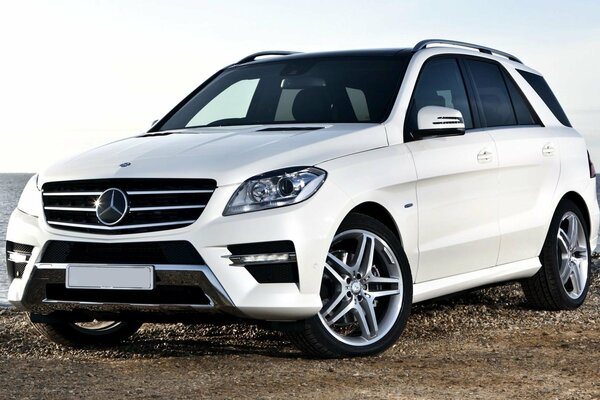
(324, 193)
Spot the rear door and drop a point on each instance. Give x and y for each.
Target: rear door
(457, 181)
(529, 163)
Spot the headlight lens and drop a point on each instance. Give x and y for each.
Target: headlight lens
(30, 201)
(275, 189)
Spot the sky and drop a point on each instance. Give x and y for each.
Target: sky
(80, 73)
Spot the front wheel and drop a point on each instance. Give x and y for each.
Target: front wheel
(366, 291)
(93, 333)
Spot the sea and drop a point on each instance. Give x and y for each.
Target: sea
(11, 186)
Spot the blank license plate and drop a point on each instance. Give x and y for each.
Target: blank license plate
(138, 277)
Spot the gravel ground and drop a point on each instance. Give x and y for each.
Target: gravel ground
(486, 344)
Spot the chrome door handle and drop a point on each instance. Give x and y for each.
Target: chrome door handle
(484, 156)
(548, 149)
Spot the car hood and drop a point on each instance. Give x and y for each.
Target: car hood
(228, 155)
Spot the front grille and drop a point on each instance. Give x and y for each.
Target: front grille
(152, 204)
(173, 252)
(166, 294)
(13, 250)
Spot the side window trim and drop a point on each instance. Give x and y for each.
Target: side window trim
(474, 113)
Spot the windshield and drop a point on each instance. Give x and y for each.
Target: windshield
(322, 90)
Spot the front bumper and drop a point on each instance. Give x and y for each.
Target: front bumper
(44, 292)
(231, 289)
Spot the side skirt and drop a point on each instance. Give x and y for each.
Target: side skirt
(507, 272)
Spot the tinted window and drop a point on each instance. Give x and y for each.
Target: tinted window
(493, 95)
(538, 83)
(320, 90)
(520, 104)
(440, 84)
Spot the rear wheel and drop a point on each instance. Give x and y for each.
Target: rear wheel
(563, 281)
(93, 333)
(366, 291)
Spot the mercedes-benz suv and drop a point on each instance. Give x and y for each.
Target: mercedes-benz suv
(324, 193)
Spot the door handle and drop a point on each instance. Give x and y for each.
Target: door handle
(484, 156)
(548, 150)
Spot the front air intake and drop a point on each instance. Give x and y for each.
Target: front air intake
(122, 206)
(17, 257)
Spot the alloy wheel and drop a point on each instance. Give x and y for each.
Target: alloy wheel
(362, 288)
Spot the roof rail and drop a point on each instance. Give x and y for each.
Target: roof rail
(487, 50)
(254, 56)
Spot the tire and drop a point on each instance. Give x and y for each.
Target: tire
(563, 281)
(96, 333)
(366, 300)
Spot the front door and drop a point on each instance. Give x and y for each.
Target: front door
(457, 179)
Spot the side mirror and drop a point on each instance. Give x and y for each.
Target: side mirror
(439, 121)
(153, 123)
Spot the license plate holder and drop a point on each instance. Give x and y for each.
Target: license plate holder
(115, 277)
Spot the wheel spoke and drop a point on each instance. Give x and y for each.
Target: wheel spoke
(334, 274)
(341, 313)
(340, 264)
(363, 262)
(333, 304)
(576, 280)
(361, 318)
(383, 293)
(573, 231)
(369, 309)
(563, 241)
(381, 279)
(565, 272)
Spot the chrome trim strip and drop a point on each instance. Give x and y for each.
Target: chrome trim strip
(167, 306)
(122, 227)
(133, 192)
(71, 193)
(134, 209)
(210, 285)
(237, 258)
(140, 192)
(81, 209)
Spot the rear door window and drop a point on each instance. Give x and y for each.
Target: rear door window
(523, 111)
(491, 90)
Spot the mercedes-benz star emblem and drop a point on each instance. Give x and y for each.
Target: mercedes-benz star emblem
(111, 206)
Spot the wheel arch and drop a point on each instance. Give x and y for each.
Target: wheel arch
(578, 200)
(380, 213)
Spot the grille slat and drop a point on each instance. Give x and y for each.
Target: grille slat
(154, 204)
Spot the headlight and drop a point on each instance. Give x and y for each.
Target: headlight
(275, 189)
(31, 198)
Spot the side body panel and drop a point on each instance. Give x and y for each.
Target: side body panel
(458, 204)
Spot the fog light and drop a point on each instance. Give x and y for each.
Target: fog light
(17, 257)
(267, 258)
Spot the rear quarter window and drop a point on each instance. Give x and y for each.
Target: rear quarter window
(539, 84)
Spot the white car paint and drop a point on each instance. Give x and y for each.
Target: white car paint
(463, 223)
